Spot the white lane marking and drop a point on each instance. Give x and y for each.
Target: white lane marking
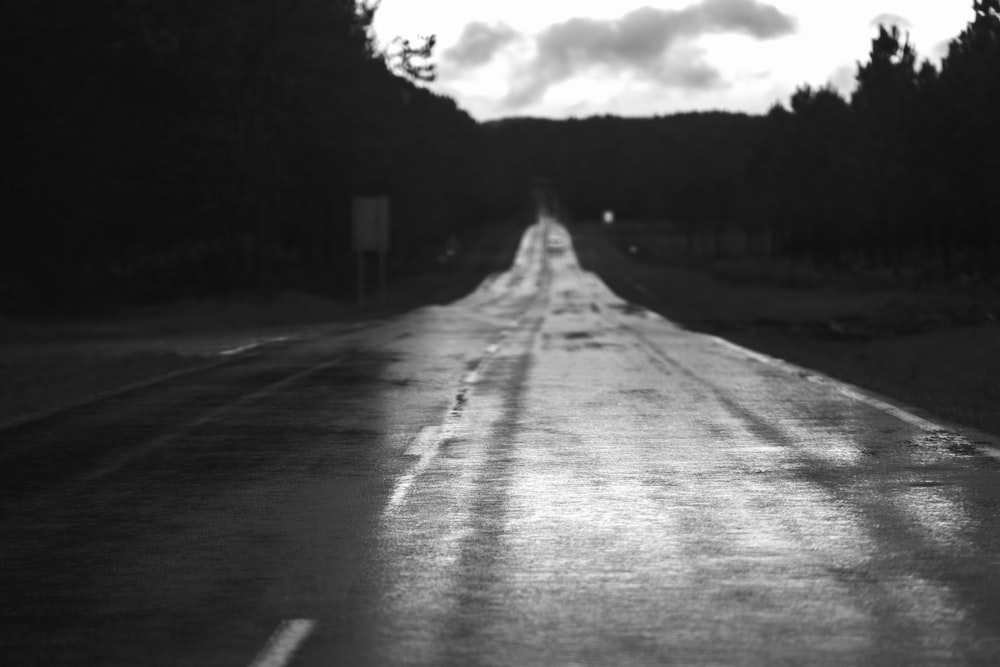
(472, 377)
(143, 449)
(283, 643)
(853, 393)
(642, 288)
(111, 393)
(238, 349)
(426, 446)
(424, 442)
(255, 344)
(132, 386)
(429, 440)
(746, 352)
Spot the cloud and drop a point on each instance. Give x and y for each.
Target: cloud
(478, 43)
(940, 50)
(750, 17)
(845, 79)
(680, 68)
(647, 42)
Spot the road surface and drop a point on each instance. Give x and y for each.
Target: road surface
(537, 474)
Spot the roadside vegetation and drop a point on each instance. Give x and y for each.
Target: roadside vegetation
(901, 178)
(163, 151)
(936, 348)
(858, 235)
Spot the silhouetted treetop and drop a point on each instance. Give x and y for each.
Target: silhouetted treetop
(413, 61)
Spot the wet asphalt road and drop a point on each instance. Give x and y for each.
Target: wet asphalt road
(539, 474)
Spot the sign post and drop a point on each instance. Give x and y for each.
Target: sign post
(370, 224)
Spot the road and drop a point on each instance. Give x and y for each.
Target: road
(540, 473)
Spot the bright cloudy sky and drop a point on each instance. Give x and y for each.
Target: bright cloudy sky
(560, 58)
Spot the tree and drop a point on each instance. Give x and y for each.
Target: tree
(970, 91)
(413, 61)
(884, 100)
(168, 148)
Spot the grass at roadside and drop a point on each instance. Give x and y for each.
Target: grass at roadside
(936, 348)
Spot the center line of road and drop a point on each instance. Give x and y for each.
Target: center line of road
(425, 446)
(283, 643)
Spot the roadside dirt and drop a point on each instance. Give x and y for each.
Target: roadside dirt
(934, 349)
(47, 365)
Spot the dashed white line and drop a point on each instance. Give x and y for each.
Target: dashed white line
(249, 346)
(425, 446)
(284, 642)
(472, 377)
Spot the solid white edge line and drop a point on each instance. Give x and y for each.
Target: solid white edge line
(642, 288)
(143, 449)
(283, 643)
(854, 393)
(133, 386)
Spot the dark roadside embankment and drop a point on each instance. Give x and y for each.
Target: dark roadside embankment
(935, 348)
(50, 363)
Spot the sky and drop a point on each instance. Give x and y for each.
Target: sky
(576, 58)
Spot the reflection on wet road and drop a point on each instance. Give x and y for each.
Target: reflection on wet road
(540, 473)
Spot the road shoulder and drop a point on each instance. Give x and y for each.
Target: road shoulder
(947, 369)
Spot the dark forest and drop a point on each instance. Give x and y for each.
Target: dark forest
(159, 150)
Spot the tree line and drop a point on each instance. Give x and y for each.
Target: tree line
(156, 150)
(903, 173)
(685, 169)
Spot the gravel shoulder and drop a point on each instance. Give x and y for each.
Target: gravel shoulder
(935, 349)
